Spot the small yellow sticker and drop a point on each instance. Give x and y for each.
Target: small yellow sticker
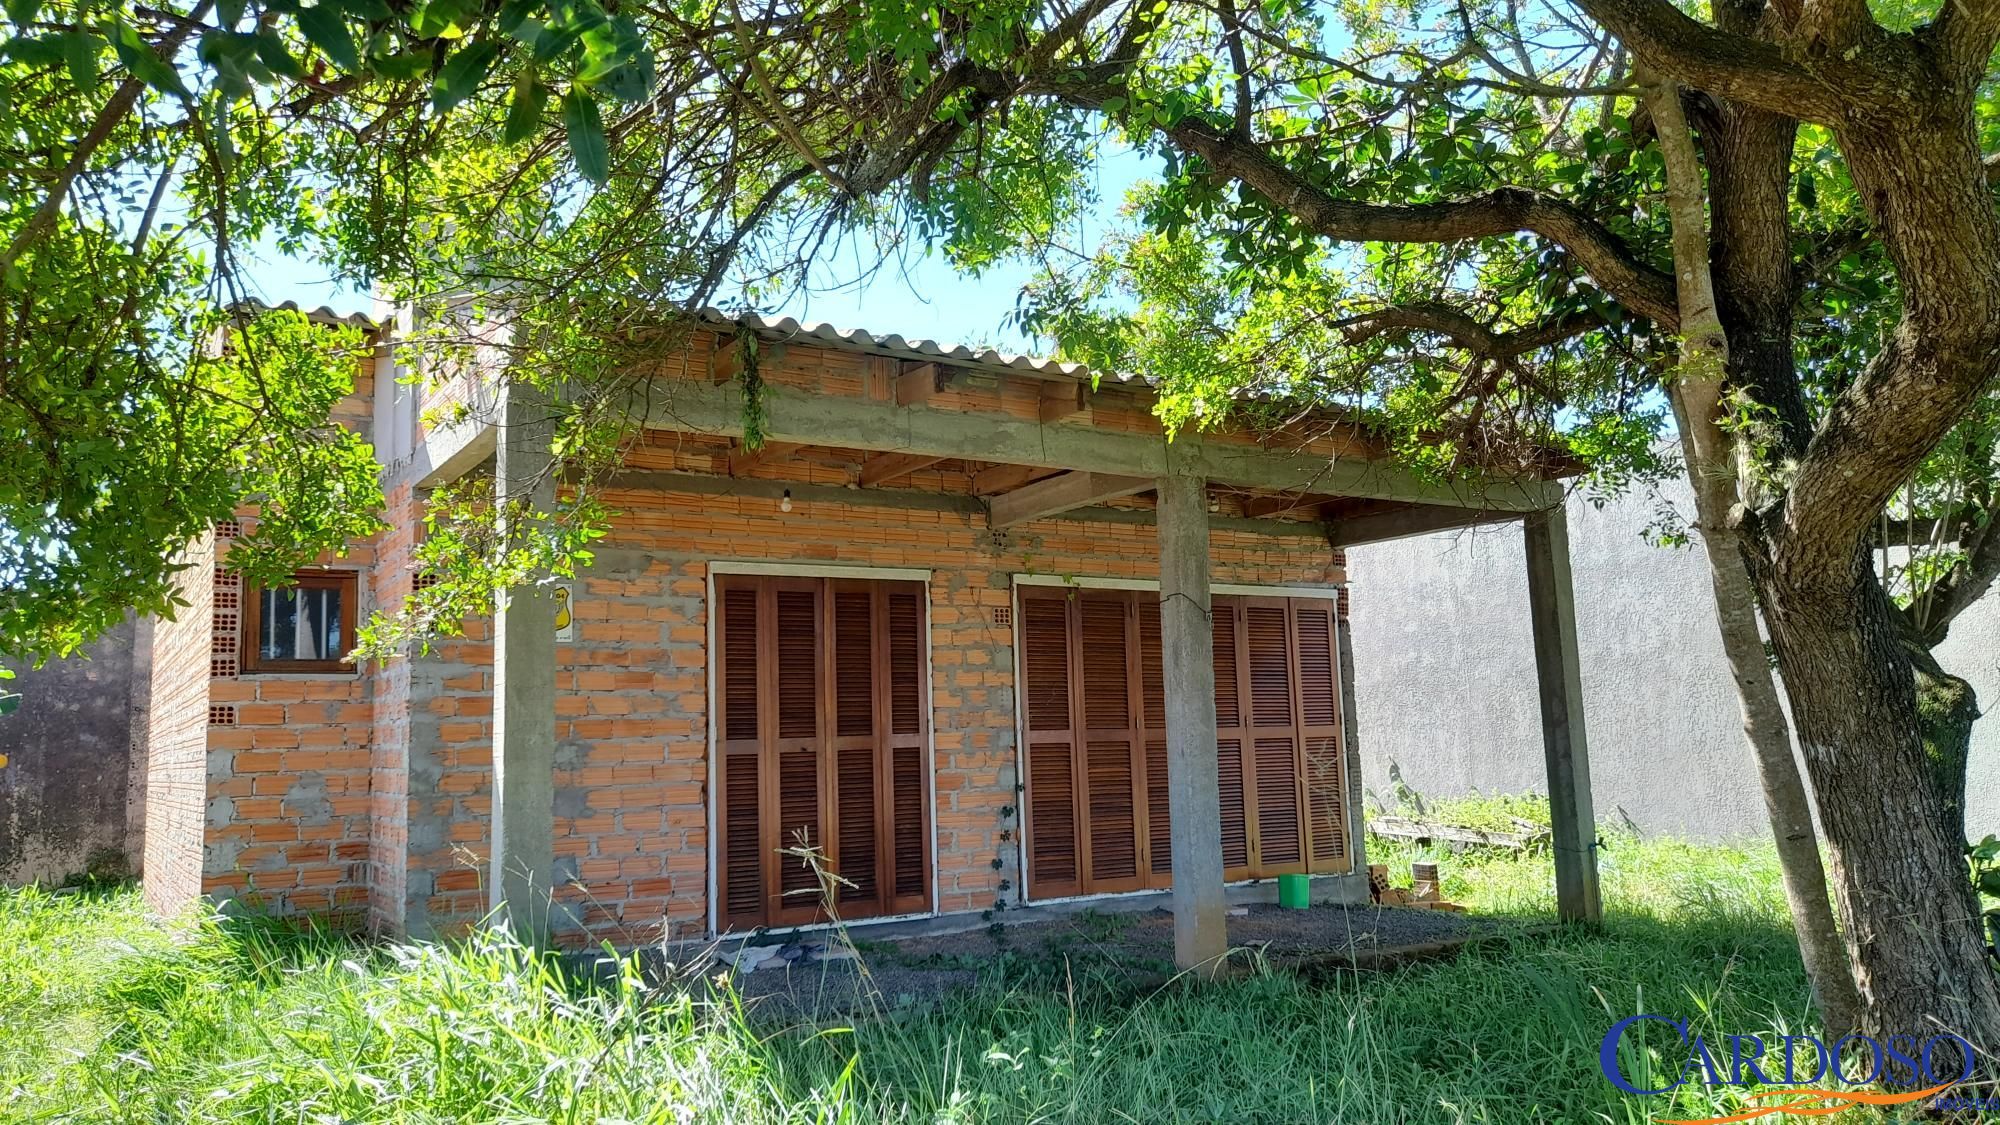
(3, 761)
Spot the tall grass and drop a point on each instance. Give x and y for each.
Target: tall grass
(106, 1016)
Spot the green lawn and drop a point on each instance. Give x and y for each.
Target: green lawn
(105, 1016)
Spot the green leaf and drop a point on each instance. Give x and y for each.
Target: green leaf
(1989, 883)
(9, 701)
(324, 28)
(146, 66)
(444, 19)
(408, 64)
(462, 73)
(271, 50)
(586, 136)
(525, 108)
(80, 51)
(23, 11)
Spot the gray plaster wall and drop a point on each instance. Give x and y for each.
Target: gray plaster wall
(1445, 675)
(67, 796)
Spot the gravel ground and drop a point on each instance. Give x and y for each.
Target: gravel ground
(917, 973)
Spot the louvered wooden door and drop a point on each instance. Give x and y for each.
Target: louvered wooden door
(821, 740)
(1095, 710)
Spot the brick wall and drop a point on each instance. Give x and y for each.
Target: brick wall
(289, 770)
(177, 739)
(631, 828)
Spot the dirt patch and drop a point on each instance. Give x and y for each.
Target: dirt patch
(1134, 949)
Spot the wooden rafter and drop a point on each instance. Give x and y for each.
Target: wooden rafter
(922, 383)
(995, 479)
(742, 460)
(1063, 399)
(1060, 494)
(1421, 519)
(1301, 507)
(885, 467)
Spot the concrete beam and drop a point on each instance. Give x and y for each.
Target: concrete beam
(791, 414)
(1381, 527)
(1552, 611)
(1187, 660)
(520, 884)
(885, 467)
(1061, 494)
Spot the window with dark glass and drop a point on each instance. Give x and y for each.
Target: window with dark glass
(307, 626)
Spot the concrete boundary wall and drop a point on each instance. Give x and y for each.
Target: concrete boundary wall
(1446, 678)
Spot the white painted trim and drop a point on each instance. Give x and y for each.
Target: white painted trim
(709, 801)
(1234, 589)
(819, 570)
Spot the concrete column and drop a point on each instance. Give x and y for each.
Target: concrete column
(1194, 800)
(524, 688)
(1552, 610)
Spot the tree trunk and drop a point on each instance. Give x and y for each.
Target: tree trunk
(1896, 836)
(1696, 395)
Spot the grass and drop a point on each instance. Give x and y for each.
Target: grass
(107, 1016)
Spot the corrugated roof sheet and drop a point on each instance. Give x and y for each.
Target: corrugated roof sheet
(320, 315)
(861, 340)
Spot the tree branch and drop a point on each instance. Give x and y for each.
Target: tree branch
(1707, 58)
(115, 110)
(1639, 286)
(1465, 330)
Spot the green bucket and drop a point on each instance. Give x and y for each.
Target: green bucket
(1294, 892)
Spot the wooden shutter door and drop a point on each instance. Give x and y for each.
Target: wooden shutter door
(796, 709)
(1106, 652)
(904, 723)
(822, 736)
(859, 819)
(1055, 861)
(1231, 736)
(1153, 721)
(1277, 841)
(739, 817)
(1314, 623)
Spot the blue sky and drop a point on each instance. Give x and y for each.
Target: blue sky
(924, 297)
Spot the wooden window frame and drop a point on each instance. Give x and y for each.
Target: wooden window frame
(348, 582)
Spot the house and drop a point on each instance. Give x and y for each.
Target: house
(964, 622)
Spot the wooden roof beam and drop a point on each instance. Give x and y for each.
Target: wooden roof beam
(1405, 523)
(742, 460)
(1064, 400)
(885, 467)
(922, 383)
(995, 479)
(1295, 507)
(1059, 494)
